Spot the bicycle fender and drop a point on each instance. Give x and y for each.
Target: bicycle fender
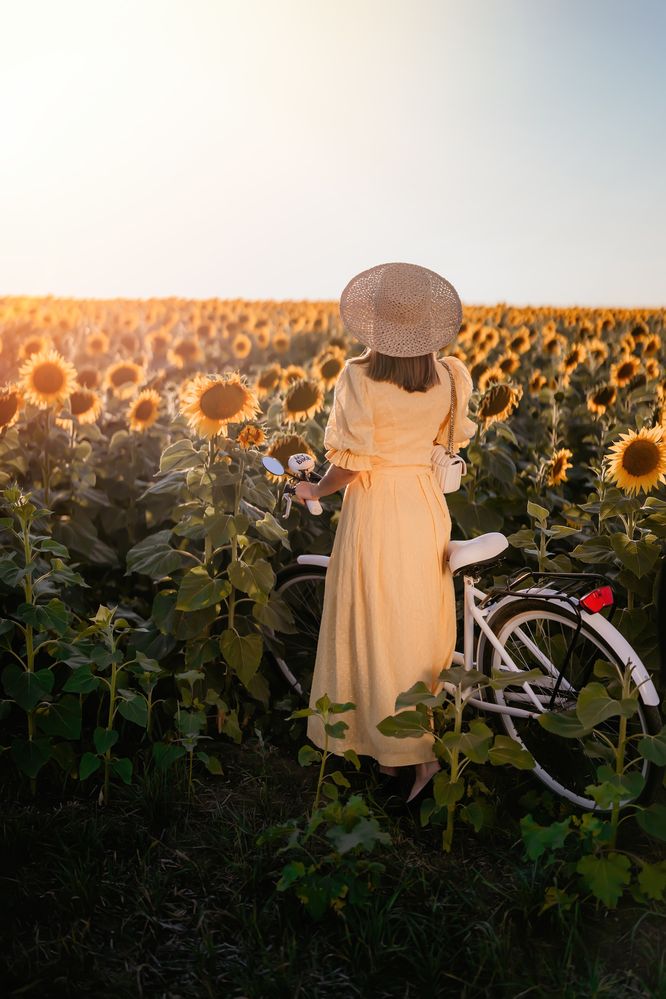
(614, 638)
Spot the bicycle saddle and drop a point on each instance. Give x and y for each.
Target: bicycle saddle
(481, 551)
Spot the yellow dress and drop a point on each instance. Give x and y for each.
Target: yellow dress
(389, 616)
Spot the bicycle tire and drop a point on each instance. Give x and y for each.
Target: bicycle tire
(571, 757)
(293, 656)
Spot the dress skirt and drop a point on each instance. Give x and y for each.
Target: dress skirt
(389, 615)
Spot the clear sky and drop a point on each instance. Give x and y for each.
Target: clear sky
(274, 148)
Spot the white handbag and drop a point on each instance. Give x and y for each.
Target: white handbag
(448, 467)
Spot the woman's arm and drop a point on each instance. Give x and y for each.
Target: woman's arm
(334, 479)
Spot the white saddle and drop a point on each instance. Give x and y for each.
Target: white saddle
(485, 548)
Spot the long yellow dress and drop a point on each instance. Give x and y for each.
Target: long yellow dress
(389, 616)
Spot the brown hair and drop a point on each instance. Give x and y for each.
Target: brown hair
(414, 374)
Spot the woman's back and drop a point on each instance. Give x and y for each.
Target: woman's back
(379, 423)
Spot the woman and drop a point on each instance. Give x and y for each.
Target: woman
(389, 617)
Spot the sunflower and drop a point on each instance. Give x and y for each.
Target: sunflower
(85, 405)
(652, 368)
(508, 362)
(241, 346)
(303, 399)
(47, 379)
(536, 381)
(282, 447)
(553, 343)
(37, 343)
(158, 342)
(143, 411)
(601, 397)
(652, 346)
(557, 471)
(328, 364)
(498, 402)
(292, 373)
(251, 436)
(210, 402)
(597, 350)
(638, 460)
(262, 336)
(624, 370)
(186, 350)
(492, 374)
(11, 401)
(268, 380)
(280, 342)
(123, 378)
(96, 343)
(573, 357)
(88, 378)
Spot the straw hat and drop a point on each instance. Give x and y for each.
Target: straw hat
(401, 309)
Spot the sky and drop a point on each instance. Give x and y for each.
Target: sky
(272, 149)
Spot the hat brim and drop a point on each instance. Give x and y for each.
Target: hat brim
(392, 337)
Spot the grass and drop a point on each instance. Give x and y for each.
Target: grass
(154, 897)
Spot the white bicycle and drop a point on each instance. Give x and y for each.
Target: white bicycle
(557, 628)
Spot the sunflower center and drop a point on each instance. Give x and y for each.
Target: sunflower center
(499, 397)
(144, 410)
(301, 397)
(124, 374)
(625, 370)
(222, 402)
(80, 402)
(48, 378)
(330, 369)
(641, 457)
(604, 396)
(8, 407)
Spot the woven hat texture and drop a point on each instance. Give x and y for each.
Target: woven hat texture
(401, 309)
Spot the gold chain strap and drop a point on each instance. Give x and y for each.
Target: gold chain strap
(451, 416)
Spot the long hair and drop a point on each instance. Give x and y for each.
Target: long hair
(414, 374)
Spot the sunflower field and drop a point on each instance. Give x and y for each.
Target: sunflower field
(140, 541)
(148, 744)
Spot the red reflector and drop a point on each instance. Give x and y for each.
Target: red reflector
(596, 599)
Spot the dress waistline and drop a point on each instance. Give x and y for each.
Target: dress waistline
(366, 475)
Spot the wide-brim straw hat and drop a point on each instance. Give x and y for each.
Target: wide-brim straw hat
(401, 309)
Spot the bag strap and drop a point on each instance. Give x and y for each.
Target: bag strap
(451, 416)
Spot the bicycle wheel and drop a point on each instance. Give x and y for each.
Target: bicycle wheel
(302, 588)
(536, 634)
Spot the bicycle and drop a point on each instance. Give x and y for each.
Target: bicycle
(557, 628)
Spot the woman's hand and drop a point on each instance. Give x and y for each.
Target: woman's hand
(305, 491)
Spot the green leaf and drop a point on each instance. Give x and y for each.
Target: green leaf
(133, 707)
(88, 765)
(405, 725)
(30, 756)
(566, 724)
(537, 838)
(275, 614)
(27, 689)
(123, 769)
(153, 556)
(198, 590)
(255, 580)
(506, 750)
(593, 550)
(291, 872)
(446, 791)
(653, 820)
(639, 557)
(594, 706)
(53, 616)
(242, 652)
(605, 876)
(540, 513)
(179, 455)
(269, 528)
(350, 754)
(652, 879)
(364, 835)
(524, 538)
(475, 743)
(62, 718)
(82, 681)
(614, 787)
(166, 753)
(307, 756)
(337, 729)
(104, 739)
(653, 747)
(418, 693)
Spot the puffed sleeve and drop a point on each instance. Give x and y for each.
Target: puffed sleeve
(349, 433)
(463, 428)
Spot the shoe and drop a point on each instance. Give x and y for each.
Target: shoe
(425, 792)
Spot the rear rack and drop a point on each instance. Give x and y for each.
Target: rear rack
(577, 583)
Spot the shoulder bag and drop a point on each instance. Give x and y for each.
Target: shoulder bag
(448, 467)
